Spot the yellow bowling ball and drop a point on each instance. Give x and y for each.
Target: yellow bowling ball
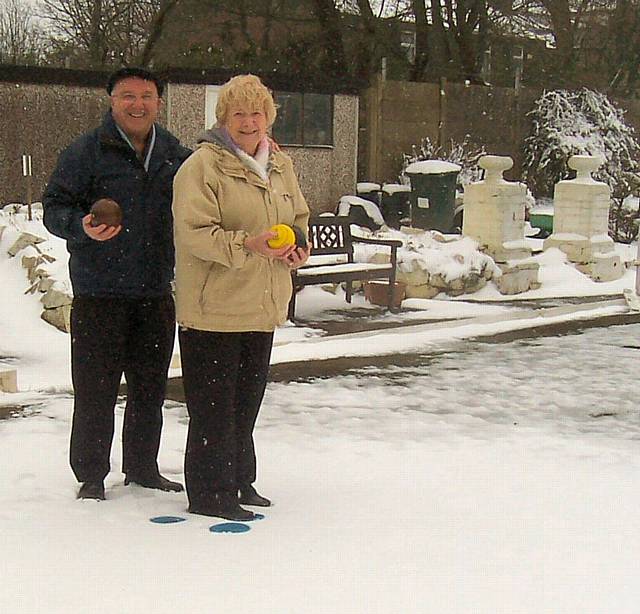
(285, 237)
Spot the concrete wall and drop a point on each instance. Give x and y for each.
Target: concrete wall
(42, 119)
(324, 173)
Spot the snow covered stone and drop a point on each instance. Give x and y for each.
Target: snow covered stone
(518, 277)
(56, 296)
(8, 380)
(23, 240)
(421, 291)
(45, 283)
(30, 257)
(60, 317)
(581, 222)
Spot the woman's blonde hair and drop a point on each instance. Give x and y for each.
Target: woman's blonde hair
(245, 92)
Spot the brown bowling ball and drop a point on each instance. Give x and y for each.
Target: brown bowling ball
(106, 211)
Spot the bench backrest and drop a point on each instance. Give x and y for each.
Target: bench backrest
(331, 235)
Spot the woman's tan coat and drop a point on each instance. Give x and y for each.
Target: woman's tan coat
(217, 203)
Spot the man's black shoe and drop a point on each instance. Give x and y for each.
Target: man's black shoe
(92, 490)
(224, 506)
(153, 481)
(249, 496)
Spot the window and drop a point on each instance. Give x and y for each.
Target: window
(304, 119)
(210, 102)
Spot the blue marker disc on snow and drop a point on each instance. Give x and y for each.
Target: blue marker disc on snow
(229, 527)
(257, 517)
(167, 519)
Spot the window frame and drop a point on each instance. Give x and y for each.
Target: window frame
(301, 127)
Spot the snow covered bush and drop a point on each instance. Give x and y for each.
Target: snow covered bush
(583, 122)
(465, 155)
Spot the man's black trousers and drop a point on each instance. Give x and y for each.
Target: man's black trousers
(224, 377)
(109, 337)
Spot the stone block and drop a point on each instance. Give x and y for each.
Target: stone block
(8, 380)
(422, 291)
(518, 278)
(380, 258)
(577, 247)
(603, 267)
(60, 317)
(438, 281)
(30, 257)
(45, 284)
(23, 240)
(513, 250)
(56, 297)
(417, 276)
(37, 272)
(473, 283)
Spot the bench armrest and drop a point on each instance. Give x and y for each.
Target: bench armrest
(387, 242)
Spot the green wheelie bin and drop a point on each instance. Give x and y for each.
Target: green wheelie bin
(433, 194)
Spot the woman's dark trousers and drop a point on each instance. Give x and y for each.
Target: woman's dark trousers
(109, 337)
(224, 376)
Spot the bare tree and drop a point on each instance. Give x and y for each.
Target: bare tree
(21, 40)
(106, 32)
(624, 47)
(450, 37)
(565, 24)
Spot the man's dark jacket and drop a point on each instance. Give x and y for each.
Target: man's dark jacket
(139, 261)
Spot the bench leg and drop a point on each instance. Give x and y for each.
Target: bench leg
(292, 305)
(349, 291)
(392, 283)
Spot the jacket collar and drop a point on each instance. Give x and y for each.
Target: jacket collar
(164, 145)
(230, 162)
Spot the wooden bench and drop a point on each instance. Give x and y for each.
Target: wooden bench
(332, 261)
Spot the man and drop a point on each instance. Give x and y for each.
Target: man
(123, 314)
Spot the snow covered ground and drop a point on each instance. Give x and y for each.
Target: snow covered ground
(493, 478)
(487, 478)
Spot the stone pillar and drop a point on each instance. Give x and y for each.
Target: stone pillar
(494, 217)
(494, 212)
(581, 222)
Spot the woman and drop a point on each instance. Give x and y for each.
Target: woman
(232, 290)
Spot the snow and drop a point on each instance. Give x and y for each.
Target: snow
(367, 186)
(458, 476)
(393, 188)
(432, 167)
(370, 208)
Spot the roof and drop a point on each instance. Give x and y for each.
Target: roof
(98, 78)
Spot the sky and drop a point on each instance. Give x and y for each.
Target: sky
(482, 477)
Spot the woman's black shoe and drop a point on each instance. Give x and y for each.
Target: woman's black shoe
(249, 496)
(92, 490)
(223, 506)
(153, 481)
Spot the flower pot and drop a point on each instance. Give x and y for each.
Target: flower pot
(377, 293)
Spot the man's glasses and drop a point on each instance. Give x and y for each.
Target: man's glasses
(129, 98)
